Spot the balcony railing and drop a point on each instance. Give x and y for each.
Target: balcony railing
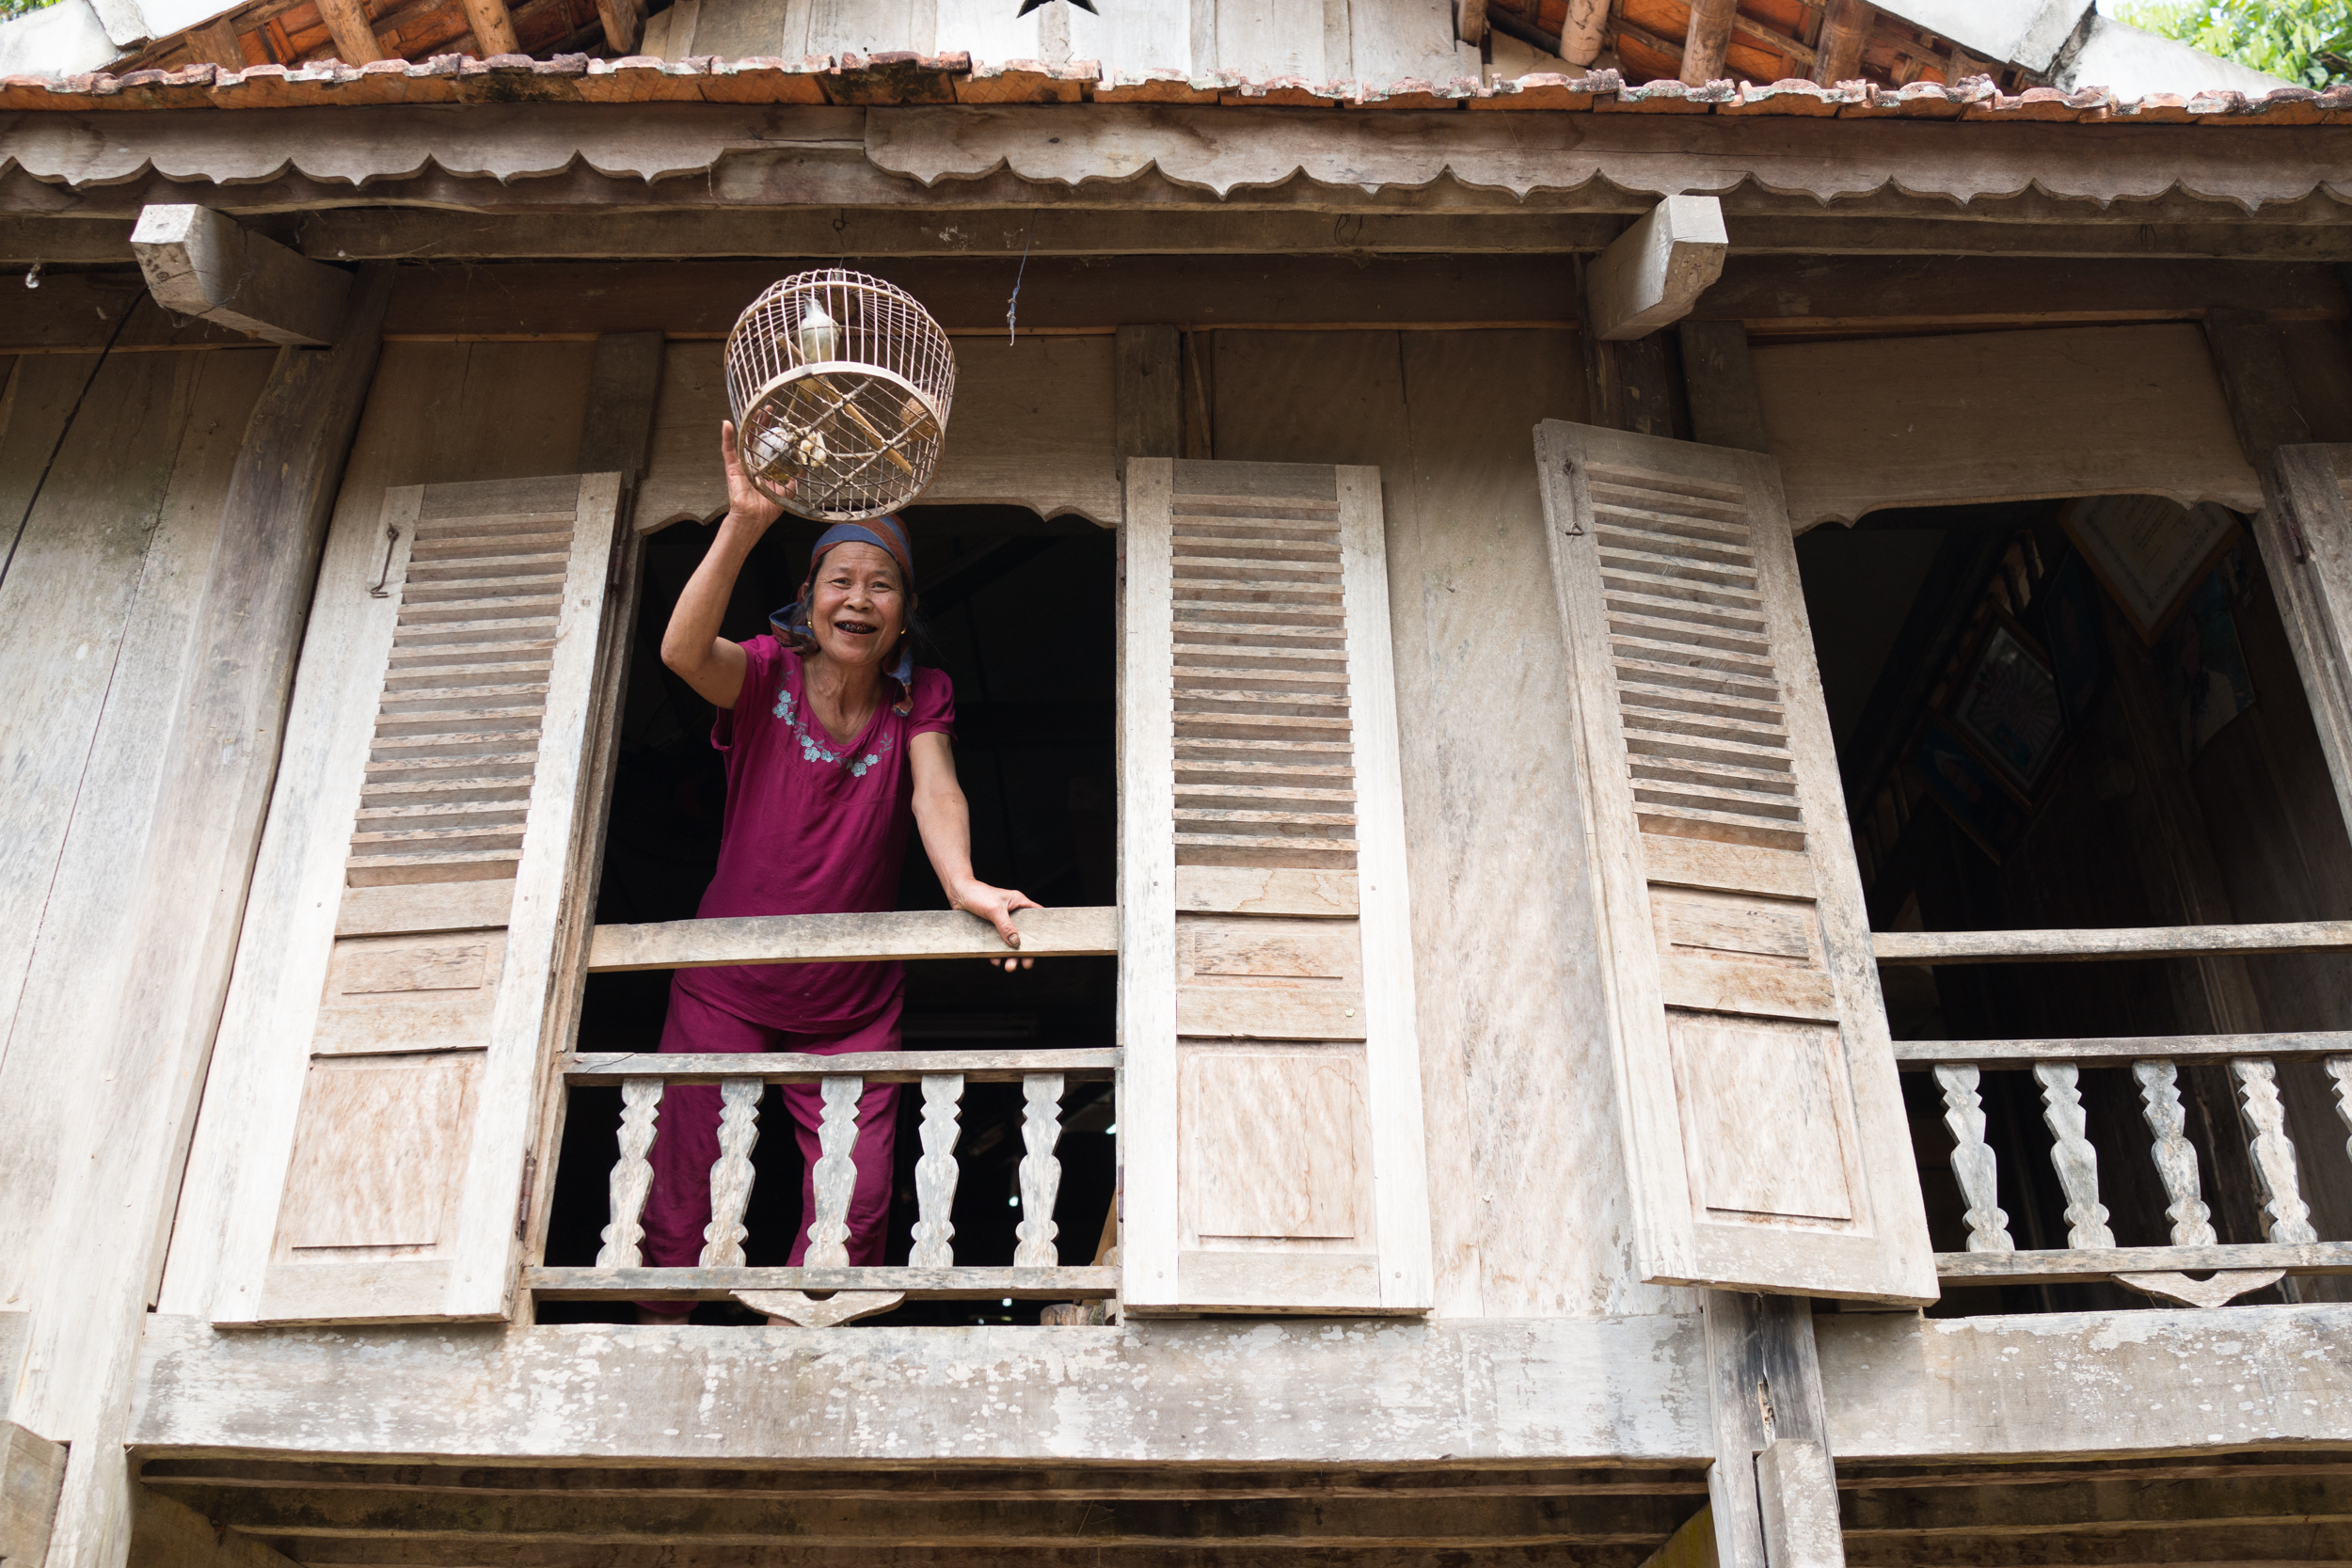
(2291, 1245)
(931, 1270)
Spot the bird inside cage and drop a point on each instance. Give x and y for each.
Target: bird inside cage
(840, 386)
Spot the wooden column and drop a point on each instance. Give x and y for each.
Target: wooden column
(1151, 414)
(1628, 385)
(32, 1469)
(1705, 40)
(1766, 1382)
(615, 437)
(1838, 56)
(624, 383)
(1719, 380)
(111, 1216)
(1764, 1377)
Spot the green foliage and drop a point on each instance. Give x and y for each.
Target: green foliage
(11, 9)
(2308, 43)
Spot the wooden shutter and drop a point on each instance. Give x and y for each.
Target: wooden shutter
(1270, 1120)
(396, 969)
(1763, 1123)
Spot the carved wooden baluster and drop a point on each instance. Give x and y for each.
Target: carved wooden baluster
(2174, 1155)
(2071, 1156)
(731, 1177)
(835, 1175)
(632, 1175)
(2340, 1069)
(1972, 1160)
(1040, 1172)
(935, 1173)
(2286, 1218)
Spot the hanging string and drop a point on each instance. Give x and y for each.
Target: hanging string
(1012, 306)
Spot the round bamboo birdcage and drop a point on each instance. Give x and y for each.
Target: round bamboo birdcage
(840, 385)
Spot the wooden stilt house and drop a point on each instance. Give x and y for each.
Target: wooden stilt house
(1676, 676)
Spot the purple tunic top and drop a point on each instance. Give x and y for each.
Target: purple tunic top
(812, 827)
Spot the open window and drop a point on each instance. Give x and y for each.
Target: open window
(2098, 837)
(1019, 612)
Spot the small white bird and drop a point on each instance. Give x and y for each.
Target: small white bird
(820, 334)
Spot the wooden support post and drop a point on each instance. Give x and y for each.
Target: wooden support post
(200, 263)
(1766, 1383)
(1719, 378)
(1199, 394)
(32, 1470)
(1151, 392)
(1705, 40)
(1654, 272)
(147, 1050)
(1798, 1490)
(493, 28)
(347, 25)
(2251, 358)
(624, 383)
(615, 437)
(1837, 55)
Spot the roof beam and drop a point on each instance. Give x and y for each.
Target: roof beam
(1838, 52)
(200, 264)
(347, 23)
(1705, 40)
(1655, 270)
(493, 28)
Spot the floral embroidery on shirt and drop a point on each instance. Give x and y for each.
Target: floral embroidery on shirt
(813, 751)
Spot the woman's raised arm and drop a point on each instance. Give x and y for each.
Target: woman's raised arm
(944, 819)
(692, 645)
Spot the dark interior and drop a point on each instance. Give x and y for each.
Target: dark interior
(2185, 785)
(1019, 612)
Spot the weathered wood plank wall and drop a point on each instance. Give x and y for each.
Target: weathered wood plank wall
(111, 524)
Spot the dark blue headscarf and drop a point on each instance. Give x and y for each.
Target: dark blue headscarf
(790, 624)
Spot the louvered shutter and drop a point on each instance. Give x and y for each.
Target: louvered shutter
(1763, 1124)
(1270, 1120)
(391, 1000)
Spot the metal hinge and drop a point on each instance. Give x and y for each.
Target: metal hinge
(522, 1206)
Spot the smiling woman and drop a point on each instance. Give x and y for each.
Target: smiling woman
(836, 744)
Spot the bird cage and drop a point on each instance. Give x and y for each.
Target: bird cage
(839, 385)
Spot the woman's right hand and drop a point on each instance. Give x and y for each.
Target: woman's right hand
(746, 503)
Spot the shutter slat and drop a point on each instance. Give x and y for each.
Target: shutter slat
(1766, 1146)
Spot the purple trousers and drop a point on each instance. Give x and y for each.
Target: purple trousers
(685, 1136)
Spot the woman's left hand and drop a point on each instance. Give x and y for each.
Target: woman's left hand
(996, 906)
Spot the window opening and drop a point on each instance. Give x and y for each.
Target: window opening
(1019, 612)
(2025, 745)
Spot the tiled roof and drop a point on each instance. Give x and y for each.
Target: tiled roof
(946, 79)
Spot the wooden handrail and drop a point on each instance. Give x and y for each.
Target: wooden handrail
(875, 1066)
(808, 939)
(1917, 1056)
(2040, 1267)
(2143, 942)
